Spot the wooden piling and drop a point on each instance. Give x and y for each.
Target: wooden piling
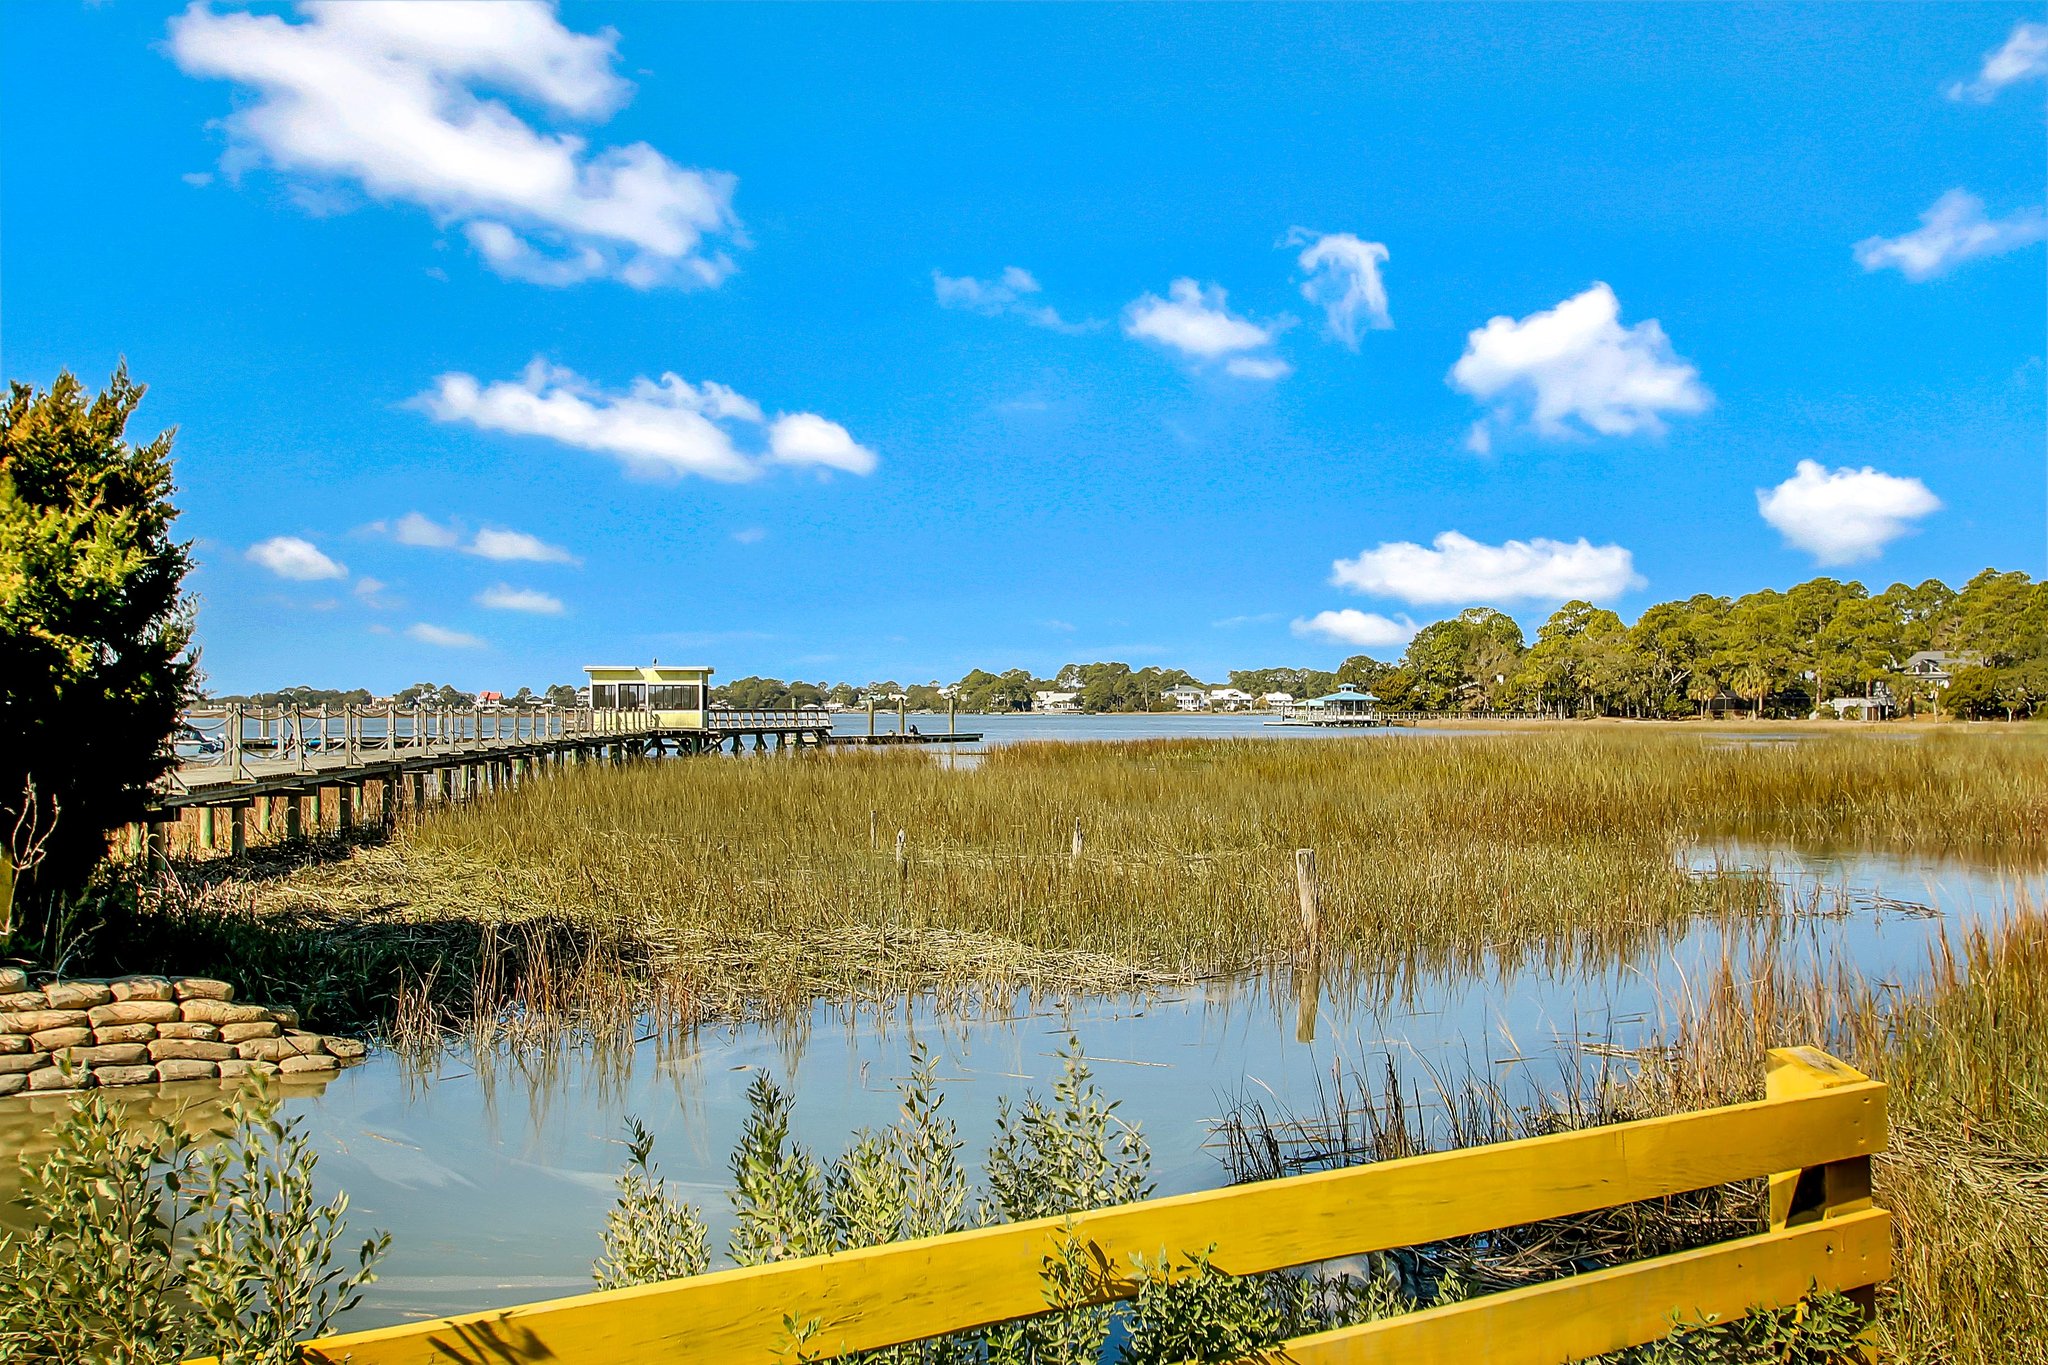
(206, 828)
(238, 831)
(902, 853)
(1308, 894)
(1077, 839)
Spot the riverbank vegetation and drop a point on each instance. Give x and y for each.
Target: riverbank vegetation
(1766, 653)
(726, 886)
(147, 1241)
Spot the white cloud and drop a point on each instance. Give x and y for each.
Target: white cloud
(370, 592)
(2024, 56)
(505, 597)
(393, 98)
(665, 427)
(750, 535)
(1366, 629)
(1845, 515)
(1344, 281)
(1952, 231)
(415, 528)
(1197, 322)
(1257, 367)
(1010, 292)
(1457, 569)
(296, 559)
(1574, 368)
(492, 542)
(496, 542)
(804, 438)
(442, 637)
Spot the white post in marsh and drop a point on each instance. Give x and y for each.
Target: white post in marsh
(1077, 838)
(902, 853)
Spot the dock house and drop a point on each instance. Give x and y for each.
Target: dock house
(1346, 706)
(673, 696)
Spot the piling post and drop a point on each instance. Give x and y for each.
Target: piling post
(234, 743)
(153, 844)
(238, 831)
(294, 816)
(871, 717)
(206, 828)
(1077, 838)
(902, 713)
(902, 853)
(419, 793)
(389, 799)
(953, 714)
(344, 809)
(1308, 894)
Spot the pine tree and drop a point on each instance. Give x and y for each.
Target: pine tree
(94, 633)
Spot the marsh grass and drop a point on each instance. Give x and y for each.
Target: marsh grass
(1964, 1050)
(758, 884)
(1966, 1177)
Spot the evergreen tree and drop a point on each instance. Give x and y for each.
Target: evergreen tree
(94, 634)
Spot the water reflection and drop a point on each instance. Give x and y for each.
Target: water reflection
(494, 1171)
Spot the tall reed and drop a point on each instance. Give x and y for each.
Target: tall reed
(767, 879)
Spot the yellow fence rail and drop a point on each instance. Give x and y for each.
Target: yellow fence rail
(1813, 1135)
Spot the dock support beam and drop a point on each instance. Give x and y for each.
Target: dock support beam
(294, 816)
(238, 831)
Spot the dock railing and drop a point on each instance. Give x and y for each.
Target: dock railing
(1813, 1137)
(230, 737)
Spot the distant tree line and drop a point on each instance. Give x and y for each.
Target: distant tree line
(1767, 653)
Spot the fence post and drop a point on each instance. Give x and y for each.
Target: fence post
(1077, 839)
(234, 743)
(1815, 1193)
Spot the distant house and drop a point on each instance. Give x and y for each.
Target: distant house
(490, 701)
(1186, 698)
(1056, 703)
(1229, 699)
(1936, 668)
(1277, 701)
(1877, 706)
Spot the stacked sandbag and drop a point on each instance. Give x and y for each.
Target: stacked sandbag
(142, 1030)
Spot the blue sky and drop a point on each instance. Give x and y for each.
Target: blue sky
(860, 342)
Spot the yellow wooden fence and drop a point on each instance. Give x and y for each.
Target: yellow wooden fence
(1813, 1135)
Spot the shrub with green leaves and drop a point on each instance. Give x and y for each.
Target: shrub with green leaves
(148, 1244)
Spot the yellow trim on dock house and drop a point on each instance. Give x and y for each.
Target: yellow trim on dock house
(667, 696)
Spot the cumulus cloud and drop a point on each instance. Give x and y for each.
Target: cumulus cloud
(1844, 515)
(1196, 321)
(1343, 280)
(442, 637)
(1454, 568)
(416, 528)
(2022, 57)
(299, 560)
(1366, 629)
(1575, 369)
(1952, 231)
(394, 100)
(1013, 292)
(667, 427)
(505, 546)
(505, 597)
(491, 542)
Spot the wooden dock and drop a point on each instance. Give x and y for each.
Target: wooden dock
(300, 770)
